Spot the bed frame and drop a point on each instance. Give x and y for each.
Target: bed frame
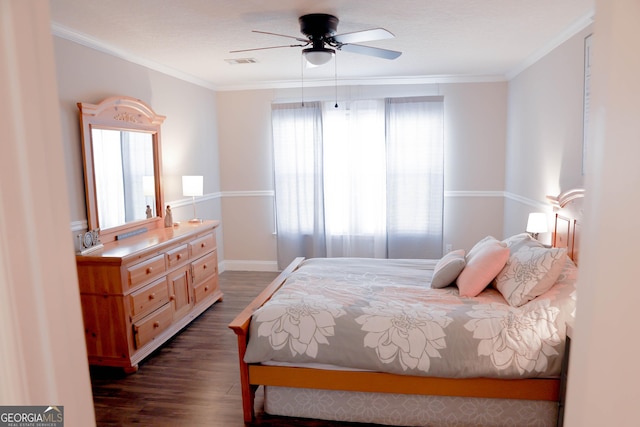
(254, 375)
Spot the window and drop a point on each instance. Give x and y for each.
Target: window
(364, 179)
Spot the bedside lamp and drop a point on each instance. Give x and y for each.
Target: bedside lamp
(536, 224)
(192, 186)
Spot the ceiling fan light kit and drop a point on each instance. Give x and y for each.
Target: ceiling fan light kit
(320, 31)
(318, 56)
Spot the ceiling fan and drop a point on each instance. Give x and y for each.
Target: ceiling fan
(320, 31)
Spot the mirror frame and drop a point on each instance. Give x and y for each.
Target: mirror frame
(125, 114)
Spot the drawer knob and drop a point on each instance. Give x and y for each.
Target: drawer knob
(152, 296)
(206, 288)
(156, 324)
(202, 245)
(179, 256)
(149, 270)
(204, 266)
(172, 298)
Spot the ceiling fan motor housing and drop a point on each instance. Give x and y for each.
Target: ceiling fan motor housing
(318, 26)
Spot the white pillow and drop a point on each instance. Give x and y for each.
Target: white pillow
(530, 272)
(447, 269)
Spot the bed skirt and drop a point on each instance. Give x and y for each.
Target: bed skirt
(408, 410)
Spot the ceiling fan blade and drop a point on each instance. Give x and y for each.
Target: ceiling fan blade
(300, 39)
(371, 51)
(268, 47)
(363, 36)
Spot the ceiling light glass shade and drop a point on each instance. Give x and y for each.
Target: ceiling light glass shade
(318, 55)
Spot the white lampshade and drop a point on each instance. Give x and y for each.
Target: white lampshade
(318, 56)
(148, 185)
(192, 185)
(537, 223)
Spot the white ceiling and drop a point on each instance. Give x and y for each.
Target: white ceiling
(440, 39)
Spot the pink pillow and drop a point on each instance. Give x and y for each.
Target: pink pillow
(482, 268)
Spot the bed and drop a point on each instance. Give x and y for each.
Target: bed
(397, 342)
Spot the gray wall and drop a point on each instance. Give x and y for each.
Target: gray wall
(544, 136)
(189, 133)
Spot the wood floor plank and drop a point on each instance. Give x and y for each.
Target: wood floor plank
(192, 380)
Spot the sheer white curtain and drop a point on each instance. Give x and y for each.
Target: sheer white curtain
(297, 145)
(415, 177)
(137, 160)
(354, 179)
(361, 180)
(107, 162)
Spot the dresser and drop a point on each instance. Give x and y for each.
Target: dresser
(138, 292)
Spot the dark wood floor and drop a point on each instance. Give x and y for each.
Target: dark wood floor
(193, 379)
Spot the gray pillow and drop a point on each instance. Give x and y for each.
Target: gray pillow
(447, 269)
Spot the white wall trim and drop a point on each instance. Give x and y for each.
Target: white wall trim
(505, 194)
(366, 81)
(259, 193)
(61, 31)
(463, 193)
(64, 32)
(542, 206)
(82, 225)
(574, 29)
(188, 201)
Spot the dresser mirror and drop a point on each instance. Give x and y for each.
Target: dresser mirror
(122, 166)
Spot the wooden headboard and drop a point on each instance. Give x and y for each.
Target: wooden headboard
(568, 216)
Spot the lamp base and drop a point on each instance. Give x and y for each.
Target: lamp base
(195, 221)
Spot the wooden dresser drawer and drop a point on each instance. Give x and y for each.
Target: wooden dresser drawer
(202, 245)
(149, 298)
(147, 270)
(138, 291)
(206, 288)
(151, 326)
(177, 256)
(204, 267)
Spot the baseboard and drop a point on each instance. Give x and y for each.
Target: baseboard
(248, 265)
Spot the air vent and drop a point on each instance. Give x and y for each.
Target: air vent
(236, 61)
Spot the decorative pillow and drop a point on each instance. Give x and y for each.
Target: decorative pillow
(514, 243)
(474, 250)
(482, 268)
(447, 269)
(530, 272)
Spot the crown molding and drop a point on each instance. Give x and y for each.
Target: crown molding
(569, 32)
(66, 33)
(61, 31)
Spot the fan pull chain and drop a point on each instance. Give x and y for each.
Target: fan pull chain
(302, 79)
(335, 74)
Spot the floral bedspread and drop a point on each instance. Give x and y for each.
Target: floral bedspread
(382, 315)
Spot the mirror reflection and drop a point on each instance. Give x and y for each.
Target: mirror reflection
(122, 162)
(124, 176)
